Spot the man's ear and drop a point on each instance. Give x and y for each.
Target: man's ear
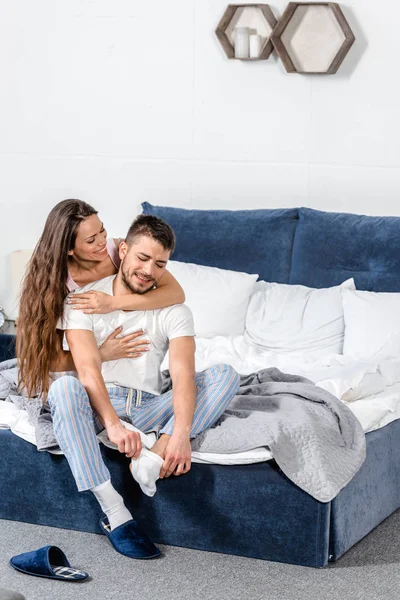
(123, 250)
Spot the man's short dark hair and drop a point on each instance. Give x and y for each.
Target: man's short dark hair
(153, 227)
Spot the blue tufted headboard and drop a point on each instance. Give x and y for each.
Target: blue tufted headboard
(298, 246)
(252, 241)
(331, 247)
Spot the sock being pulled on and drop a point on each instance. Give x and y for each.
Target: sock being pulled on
(146, 470)
(112, 504)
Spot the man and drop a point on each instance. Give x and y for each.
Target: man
(130, 388)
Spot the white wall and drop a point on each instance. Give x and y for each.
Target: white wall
(121, 101)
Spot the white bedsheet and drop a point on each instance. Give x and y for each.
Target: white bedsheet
(371, 388)
(347, 378)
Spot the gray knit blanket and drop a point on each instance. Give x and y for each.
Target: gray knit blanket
(315, 438)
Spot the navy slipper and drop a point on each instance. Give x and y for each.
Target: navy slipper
(49, 562)
(130, 540)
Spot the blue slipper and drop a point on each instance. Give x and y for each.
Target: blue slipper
(130, 540)
(49, 562)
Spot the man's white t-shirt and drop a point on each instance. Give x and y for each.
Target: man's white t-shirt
(159, 326)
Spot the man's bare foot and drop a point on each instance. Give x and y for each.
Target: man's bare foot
(161, 445)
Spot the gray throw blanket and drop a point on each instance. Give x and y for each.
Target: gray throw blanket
(39, 415)
(315, 439)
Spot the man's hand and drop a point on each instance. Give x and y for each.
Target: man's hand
(178, 456)
(128, 442)
(92, 303)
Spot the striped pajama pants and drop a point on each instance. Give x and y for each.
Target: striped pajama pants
(76, 424)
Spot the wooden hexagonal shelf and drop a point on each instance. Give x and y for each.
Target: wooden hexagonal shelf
(258, 17)
(312, 37)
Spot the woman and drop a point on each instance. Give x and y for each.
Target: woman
(72, 252)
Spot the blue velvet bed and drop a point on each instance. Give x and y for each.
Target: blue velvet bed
(251, 510)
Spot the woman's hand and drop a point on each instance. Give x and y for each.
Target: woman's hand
(127, 346)
(92, 303)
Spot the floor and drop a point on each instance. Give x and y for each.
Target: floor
(369, 571)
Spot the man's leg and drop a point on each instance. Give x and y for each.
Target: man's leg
(216, 387)
(75, 427)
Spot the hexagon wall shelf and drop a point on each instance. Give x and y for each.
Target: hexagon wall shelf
(257, 16)
(312, 37)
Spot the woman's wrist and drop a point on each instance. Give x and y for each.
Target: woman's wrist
(124, 302)
(103, 355)
(114, 303)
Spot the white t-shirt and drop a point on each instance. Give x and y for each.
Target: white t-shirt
(160, 326)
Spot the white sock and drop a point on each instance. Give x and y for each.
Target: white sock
(146, 470)
(112, 504)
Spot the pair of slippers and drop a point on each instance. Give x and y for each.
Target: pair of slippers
(50, 561)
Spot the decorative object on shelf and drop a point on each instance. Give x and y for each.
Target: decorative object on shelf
(255, 45)
(312, 37)
(241, 39)
(257, 18)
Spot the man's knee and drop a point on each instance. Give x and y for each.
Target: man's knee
(220, 384)
(224, 377)
(228, 375)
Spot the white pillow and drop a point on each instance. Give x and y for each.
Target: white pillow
(372, 321)
(218, 298)
(297, 319)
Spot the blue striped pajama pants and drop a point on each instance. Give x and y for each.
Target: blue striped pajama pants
(76, 424)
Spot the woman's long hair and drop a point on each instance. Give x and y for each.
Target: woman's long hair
(44, 289)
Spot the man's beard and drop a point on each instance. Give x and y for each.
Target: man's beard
(131, 286)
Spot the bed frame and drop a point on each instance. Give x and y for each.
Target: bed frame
(249, 510)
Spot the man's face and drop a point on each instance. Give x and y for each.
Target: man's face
(142, 264)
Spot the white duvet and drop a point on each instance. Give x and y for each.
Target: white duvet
(371, 388)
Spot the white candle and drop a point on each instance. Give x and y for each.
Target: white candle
(255, 45)
(241, 42)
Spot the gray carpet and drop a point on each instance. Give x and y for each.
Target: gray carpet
(369, 571)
